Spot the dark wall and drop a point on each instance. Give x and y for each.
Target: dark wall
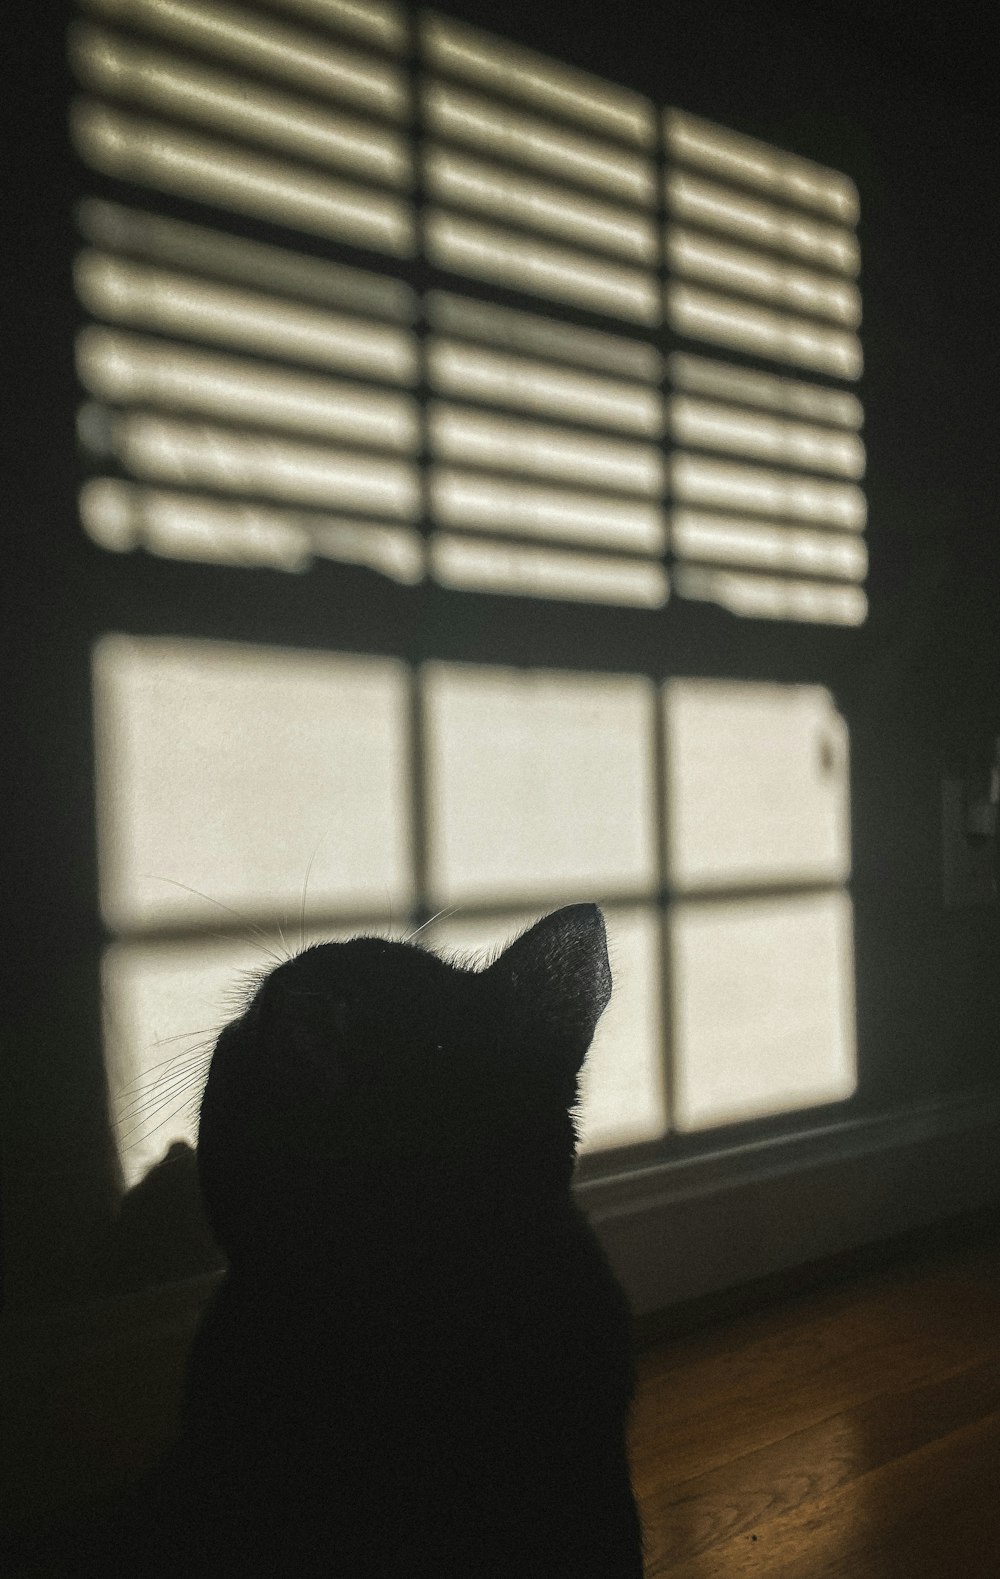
(907, 117)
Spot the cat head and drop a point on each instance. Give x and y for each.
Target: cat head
(365, 1077)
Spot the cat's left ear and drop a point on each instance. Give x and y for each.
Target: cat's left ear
(554, 980)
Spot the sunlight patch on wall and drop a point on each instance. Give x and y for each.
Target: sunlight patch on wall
(460, 434)
(538, 784)
(121, 516)
(773, 597)
(499, 504)
(537, 788)
(748, 163)
(199, 455)
(763, 1007)
(532, 177)
(502, 257)
(190, 798)
(174, 303)
(538, 81)
(173, 86)
(757, 797)
(126, 369)
(154, 154)
(758, 785)
(767, 545)
(705, 203)
(531, 572)
(522, 138)
(594, 380)
(249, 40)
(498, 378)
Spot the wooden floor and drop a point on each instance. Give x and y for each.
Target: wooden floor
(852, 1433)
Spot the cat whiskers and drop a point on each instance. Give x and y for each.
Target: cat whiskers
(255, 934)
(409, 936)
(305, 892)
(177, 1088)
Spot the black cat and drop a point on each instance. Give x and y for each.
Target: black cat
(419, 1362)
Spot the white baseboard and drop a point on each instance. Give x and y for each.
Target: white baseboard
(684, 1229)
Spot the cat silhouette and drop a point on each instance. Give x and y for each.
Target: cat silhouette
(418, 1361)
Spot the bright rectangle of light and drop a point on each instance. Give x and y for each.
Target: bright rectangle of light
(483, 123)
(723, 380)
(501, 379)
(237, 107)
(130, 369)
(271, 48)
(172, 303)
(520, 570)
(466, 182)
(537, 80)
(121, 516)
(501, 256)
(772, 597)
(766, 545)
(698, 480)
(191, 797)
(757, 785)
(460, 433)
(755, 274)
(763, 1008)
(134, 233)
(740, 432)
(540, 784)
(157, 155)
(622, 1099)
(785, 230)
(538, 336)
(744, 160)
(726, 321)
(496, 505)
(200, 455)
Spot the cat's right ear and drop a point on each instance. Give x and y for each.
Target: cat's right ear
(554, 981)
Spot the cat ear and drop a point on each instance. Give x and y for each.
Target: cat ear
(554, 980)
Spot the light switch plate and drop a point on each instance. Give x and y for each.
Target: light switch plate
(967, 865)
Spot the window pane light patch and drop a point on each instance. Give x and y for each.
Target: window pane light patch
(757, 785)
(190, 798)
(621, 1088)
(540, 784)
(763, 1007)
